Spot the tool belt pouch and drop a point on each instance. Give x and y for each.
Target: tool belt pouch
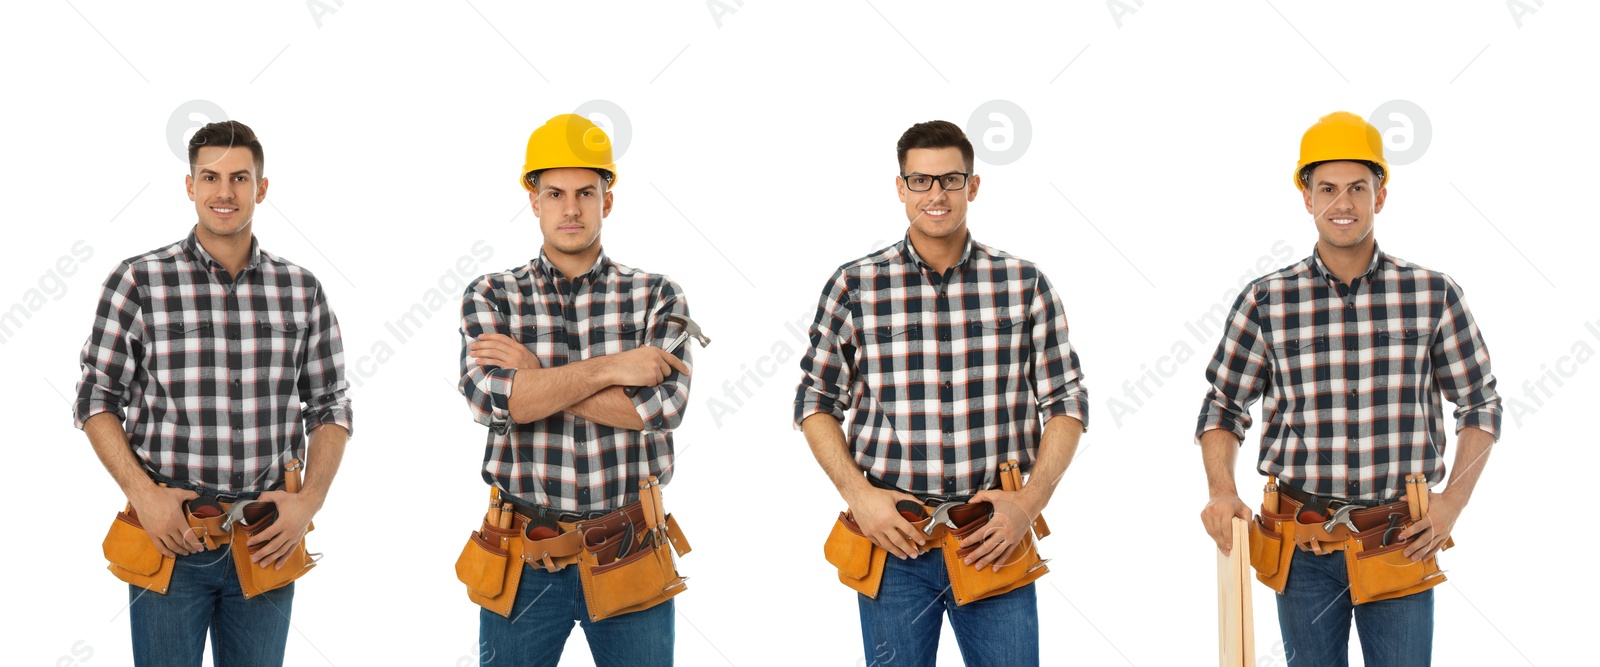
(969, 583)
(491, 566)
(1379, 572)
(626, 564)
(208, 531)
(860, 563)
(253, 578)
(133, 557)
(1270, 549)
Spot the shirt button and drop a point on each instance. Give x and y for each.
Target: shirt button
(946, 384)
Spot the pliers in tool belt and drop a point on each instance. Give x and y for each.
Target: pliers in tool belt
(1394, 525)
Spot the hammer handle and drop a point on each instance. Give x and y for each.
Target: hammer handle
(630, 392)
(673, 346)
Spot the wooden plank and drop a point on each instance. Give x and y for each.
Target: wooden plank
(1247, 618)
(1235, 616)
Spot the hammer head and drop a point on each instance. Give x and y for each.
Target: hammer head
(690, 329)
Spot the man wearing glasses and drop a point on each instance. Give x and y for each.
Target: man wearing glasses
(950, 355)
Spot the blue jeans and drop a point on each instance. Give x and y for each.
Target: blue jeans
(204, 595)
(1314, 615)
(901, 627)
(548, 605)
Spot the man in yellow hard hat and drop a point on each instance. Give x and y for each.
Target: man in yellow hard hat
(1351, 349)
(547, 351)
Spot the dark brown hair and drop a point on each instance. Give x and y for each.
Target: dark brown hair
(934, 134)
(226, 134)
(1377, 171)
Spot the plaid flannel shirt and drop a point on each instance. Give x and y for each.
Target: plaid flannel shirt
(217, 379)
(565, 461)
(948, 375)
(1352, 375)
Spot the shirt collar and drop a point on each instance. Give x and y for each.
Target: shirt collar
(549, 269)
(192, 244)
(910, 252)
(1320, 269)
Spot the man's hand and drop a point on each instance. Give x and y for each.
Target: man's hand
(641, 367)
(1218, 518)
(495, 349)
(1434, 529)
(294, 515)
(1006, 530)
(160, 511)
(874, 511)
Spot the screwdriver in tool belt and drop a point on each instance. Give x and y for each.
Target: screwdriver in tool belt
(291, 476)
(493, 517)
(1413, 503)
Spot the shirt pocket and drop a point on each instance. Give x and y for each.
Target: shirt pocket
(614, 337)
(885, 350)
(279, 347)
(999, 341)
(545, 337)
(1400, 354)
(182, 349)
(1302, 368)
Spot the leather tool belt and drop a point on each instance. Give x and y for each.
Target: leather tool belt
(213, 524)
(860, 562)
(1369, 536)
(624, 558)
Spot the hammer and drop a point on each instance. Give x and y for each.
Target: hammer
(690, 329)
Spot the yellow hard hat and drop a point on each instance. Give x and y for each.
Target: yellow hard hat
(569, 140)
(1341, 135)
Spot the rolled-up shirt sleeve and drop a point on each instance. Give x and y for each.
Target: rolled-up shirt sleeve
(1057, 377)
(828, 367)
(1238, 372)
(323, 389)
(486, 388)
(111, 355)
(661, 407)
(1461, 366)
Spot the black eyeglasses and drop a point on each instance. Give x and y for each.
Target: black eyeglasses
(954, 180)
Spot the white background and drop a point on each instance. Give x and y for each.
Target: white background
(759, 157)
